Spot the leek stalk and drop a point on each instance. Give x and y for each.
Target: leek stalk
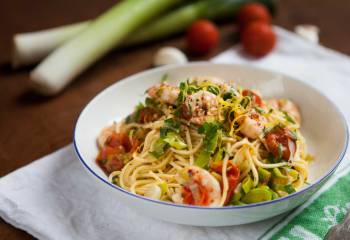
(29, 48)
(103, 34)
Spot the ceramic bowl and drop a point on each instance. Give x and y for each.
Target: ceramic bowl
(328, 144)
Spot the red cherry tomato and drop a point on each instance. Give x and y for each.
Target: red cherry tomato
(253, 12)
(202, 36)
(258, 39)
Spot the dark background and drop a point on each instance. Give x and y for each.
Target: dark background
(32, 126)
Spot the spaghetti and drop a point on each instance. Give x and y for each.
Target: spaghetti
(207, 143)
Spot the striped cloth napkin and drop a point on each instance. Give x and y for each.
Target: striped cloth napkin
(54, 198)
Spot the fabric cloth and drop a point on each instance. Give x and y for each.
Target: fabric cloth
(54, 198)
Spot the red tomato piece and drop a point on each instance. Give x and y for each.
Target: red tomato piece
(115, 140)
(252, 12)
(280, 143)
(233, 174)
(117, 144)
(258, 39)
(202, 36)
(123, 141)
(108, 159)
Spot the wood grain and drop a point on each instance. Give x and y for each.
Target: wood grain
(32, 126)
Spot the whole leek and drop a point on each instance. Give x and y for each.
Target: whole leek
(103, 34)
(29, 48)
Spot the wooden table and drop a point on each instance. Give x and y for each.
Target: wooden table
(32, 126)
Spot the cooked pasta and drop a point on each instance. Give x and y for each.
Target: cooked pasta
(208, 143)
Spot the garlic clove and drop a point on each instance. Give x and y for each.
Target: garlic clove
(308, 32)
(169, 55)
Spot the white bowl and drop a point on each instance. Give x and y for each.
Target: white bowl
(323, 126)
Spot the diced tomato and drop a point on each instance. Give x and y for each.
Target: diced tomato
(115, 140)
(122, 140)
(117, 144)
(233, 174)
(109, 151)
(108, 159)
(131, 144)
(280, 143)
(232, 177)
(255, 97)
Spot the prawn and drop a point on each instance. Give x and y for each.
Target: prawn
(200, 188)
(164, 92)
(252, 125)
(200, 106)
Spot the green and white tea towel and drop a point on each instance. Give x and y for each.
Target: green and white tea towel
(54, 198)
(313, 220)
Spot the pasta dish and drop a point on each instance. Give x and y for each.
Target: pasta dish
(206, 142)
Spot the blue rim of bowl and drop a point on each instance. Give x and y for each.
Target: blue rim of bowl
(295, 194)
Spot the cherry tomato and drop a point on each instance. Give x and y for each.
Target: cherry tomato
(202, 36)
(258, 39)
(280, 143)
(253, 12)
(255, 97)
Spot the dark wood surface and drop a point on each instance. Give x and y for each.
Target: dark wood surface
(32, 126)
